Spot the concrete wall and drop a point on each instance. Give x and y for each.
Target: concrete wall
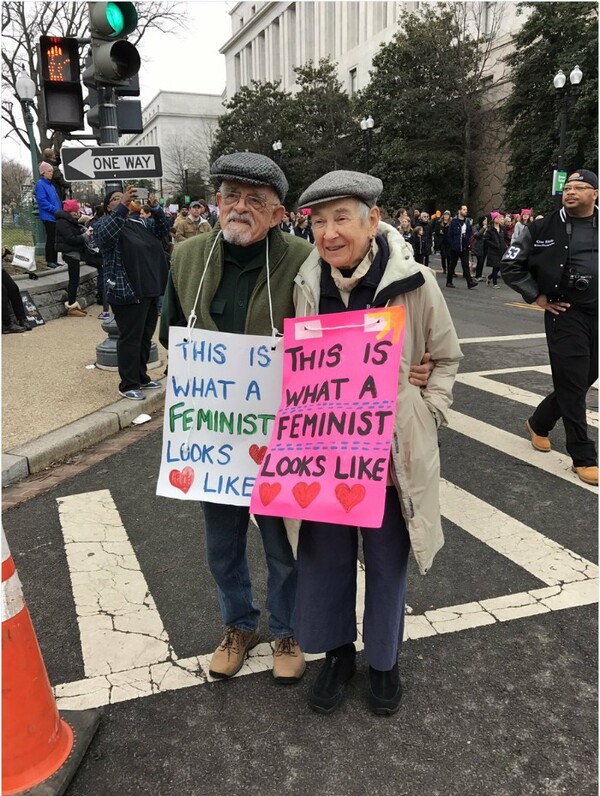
(49, 291)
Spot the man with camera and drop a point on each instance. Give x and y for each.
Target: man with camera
(554, 263)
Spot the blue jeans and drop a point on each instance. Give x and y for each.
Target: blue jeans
(226, 534)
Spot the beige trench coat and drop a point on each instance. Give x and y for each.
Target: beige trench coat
(420, 411)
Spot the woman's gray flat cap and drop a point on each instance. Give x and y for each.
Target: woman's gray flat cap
(339, 184)
(250, 168)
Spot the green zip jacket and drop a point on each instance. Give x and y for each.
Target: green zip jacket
(286, 255)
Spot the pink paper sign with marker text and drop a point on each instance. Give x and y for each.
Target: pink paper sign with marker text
(328, 456)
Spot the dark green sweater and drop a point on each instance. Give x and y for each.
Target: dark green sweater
(286, 255)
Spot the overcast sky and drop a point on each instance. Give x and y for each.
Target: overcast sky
(188, 60)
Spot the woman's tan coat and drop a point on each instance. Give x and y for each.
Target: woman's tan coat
(420, 411)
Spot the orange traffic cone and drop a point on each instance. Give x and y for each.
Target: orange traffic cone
(38, 746)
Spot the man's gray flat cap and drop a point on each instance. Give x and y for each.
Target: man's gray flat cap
(339, 184)
(248, 167)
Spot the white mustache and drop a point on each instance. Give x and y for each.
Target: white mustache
(244, 218)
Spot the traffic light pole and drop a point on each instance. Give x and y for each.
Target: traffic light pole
(109, 131)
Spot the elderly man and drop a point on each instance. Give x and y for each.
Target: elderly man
(554, 264)
(244, 250)
(192, 224)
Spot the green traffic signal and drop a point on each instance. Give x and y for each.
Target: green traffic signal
(114, 17)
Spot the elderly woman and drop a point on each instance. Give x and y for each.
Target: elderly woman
(360, 262)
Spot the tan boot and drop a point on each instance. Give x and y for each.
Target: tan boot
(231, 653)
(539, 443)
(74, 310)
(589, 475)
(288, 660)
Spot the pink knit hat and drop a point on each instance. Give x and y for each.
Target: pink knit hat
(527, 212)
(45, 166)
(494, 215)
(71, 206)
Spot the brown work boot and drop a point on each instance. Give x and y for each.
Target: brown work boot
(539, 443)
(231, 653)
(74, 310)
(288, 660)
(589, 475)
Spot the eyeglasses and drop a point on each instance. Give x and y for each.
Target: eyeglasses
(577, 188)
(252, 200)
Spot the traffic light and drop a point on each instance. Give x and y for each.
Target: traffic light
(114, 59)
(62, 99)
(92, 100)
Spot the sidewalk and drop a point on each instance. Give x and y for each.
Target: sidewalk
(53, 405)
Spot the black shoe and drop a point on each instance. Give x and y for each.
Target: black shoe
(449, 284)
(12, 329)
(25, 325)
(471, 285)
(328, 690)
(385, 691)
(52, 265)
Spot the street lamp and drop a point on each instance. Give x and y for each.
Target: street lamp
(187, 184)
(277, 147)
(566, 98)
(25, 92)
(367, 124)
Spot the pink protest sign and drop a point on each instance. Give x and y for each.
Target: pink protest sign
(328, 456)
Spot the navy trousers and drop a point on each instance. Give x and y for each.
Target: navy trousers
(326, 594)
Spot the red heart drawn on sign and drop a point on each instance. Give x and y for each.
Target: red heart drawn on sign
(256, 453)
(268, 492)
(305, 493)
(182, 479)
(349, 497)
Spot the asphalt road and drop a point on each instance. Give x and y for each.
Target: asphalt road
(500, 671)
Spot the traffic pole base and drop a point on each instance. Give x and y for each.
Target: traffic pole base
(84, 724)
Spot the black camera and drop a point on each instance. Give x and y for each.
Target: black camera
(578, 282)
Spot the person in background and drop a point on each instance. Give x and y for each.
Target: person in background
(443, 242)
(459, 236)
(93, 257)
(360, 262)
(525, 219)
(286, 225)
(561, 276)
(11, 299)
(87, 210)
(509, 227)
(427, 226)
(406, 231)
(192, 224)
(419, 244)
(135, 274)
(63, 188)
(49, 203)
(479, 246)
(302, 229)
(496, 243)
(70, 240)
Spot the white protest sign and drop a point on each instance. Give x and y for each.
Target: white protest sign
(223, 391)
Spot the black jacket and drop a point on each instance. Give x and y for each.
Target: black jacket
(69, 233)
(496, 245)
(534, 264)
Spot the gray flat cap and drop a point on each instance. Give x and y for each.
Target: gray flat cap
(338, 184)
(250, 168)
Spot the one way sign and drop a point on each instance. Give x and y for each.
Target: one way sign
(108, 162)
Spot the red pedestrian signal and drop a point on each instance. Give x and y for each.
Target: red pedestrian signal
(62, 98)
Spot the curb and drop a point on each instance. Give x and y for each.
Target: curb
(58, 445)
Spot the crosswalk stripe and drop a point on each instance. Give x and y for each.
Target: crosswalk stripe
(119, 624)
(545, 559)
(557, 464)
(509, 391)
(505, 338)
